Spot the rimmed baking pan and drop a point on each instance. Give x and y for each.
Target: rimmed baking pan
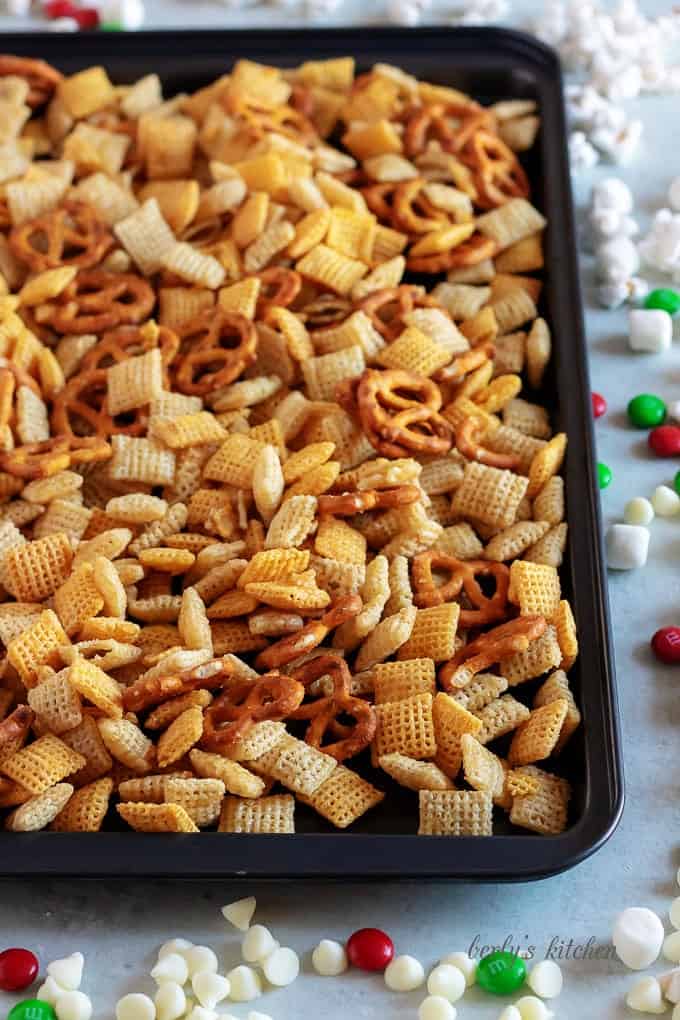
(491, 64)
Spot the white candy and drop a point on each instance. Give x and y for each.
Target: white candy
(649, 330)
(531, 1008)
(612, 194)
(665, 501)
(49, 991)
(676, 1013)
(281, 967)
(674, 194)
(245, 984)
(258, 943)
(637, 288)
(67, 972)
(582, 155)
(638, 511)
(18, 8)
(465, 964)
(627, 546)
(200, 958)
(73, 1005)
(673, 411)
(447, 981)
(174, 946)
(240, 913)
(645, 996)
(171, 967)
(674, 912)
(329, 959)
(510, 1013)
(617, 258)
(170, 1001)
(63, 25)
(436, 1007)
(613, 294)
(135, 1007)
(670, 985)
(403, 12)
(201, 1013)
(253, 1015)
(660, 248)
(210, 988)
(545, 979)
(671, 947)
(637, 936)
(129, 14)
(404, 974)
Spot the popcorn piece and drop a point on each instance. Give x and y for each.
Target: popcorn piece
(627, 546)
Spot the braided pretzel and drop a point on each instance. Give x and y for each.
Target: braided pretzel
(72, 235)
(97, 300)
(412, 211)
(149, 691)
(235, 711)
(118, 345)
(323, 713)
(42, 78)
(311, 635)
(386, 308)
(463, 577)
(40, 460)
(280, 287)
(468, 444)
(346, 504)
(456, 370)
(498, 174)
(80, 408)
(476, 249)
(219, 346)
(497, 644)
(398, 425)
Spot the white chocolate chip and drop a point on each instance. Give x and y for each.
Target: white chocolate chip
(201, 1013)
(258, 943)
(240, 913)
(638, 511)
(49, 991)
(436, 1007)
(73, 1005)
(174, 946)
(135, 1007)
(281, 967)
(627, 546)
(637, 936)
(171, 967)
(674, 912)
(404, 974)
(670, 985)
(253, 1015)
(510, 1013)
(245, 984)
(532, 1008)
(329, 959)
(210, 988)
(665, 501)
(676, 1013)
(465, 964)
(67, 972)
(170, 1000)
(447, 981)
(645, 996)
(200, 958)
(545, 979)
(671, 947)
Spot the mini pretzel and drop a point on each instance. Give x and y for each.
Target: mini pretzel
(380, 199)
(280, 287)
(40, 460)
(463, 578)
(72, 235)
(467, 443)
(323, 713)
(386, 308)
(409, 203)
(398, 425)
(497, 644)
(118, 345)
(324, 311)
(145, 693)
(96, 301)
(312, 634)
(464, 363)
(80, 409)
(16, 726)
(219, 346)
(476, 249)
(233, 713)
(345, 504)
(42, 78)
(498, 173)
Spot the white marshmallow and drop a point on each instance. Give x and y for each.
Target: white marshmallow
(240, 913)
(670, 985)
(637, 936)
(649, 330)
(129, 14)
(73, 1005)
(200, 958)
(67, 972)
(674, 194)
(627, 546)
(447, 981)
(617, 258)
(665, 501)
(174, 946)
(510, 1013)
(612, 193)
(171, 967)
(329, 959)
(671, 947)
(638, 511)
(436, 1007)
(210, 988)
(245, 984)
(135, 1007)
(404, 974)
(281, 967)
(465, 964)
(49, 991)
(545, 979)
(645, 996)
(170, 1001)
(531, 1008)
(403, 12)
(674, 912)
(258, 943)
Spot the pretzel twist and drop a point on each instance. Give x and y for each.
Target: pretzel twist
(235, 711)
(399, 413)
(96, 301)
(311, 635)
(217, 347)
(497, 644)
(323, 713)
(72, 235)
(346, 504)
(463, 578)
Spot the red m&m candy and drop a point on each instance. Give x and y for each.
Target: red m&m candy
(87, 17)
(18, 969)
(666, 645)
(599, 405)
(60, 9)
(665, 441)
(370, 949)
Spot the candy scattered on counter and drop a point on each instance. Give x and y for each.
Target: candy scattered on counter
(76, 1005)
(637, 937)
(660, 248)
(245, 984)
(281, 967)
(532, 1008)
(240, 913)
(638, 511)
(665, 299)
(649, 330)
(404, 974)
(171, 967)
(501, 973)
(599, 405)
(666, 645)
(32, 1009)
(645, 996)
(257, 944)
(135, 1007)
(436, 1007)
(604, 475)
(665, 440)
(67, 972)
(200, 958)
(545, 979)
(329, 959)
(645, 411)
(370, 949)
(210, 988)
(18, 969)
(665, 501)
(465, 964)
(447, 981)
(627, 546)
(170, 1001)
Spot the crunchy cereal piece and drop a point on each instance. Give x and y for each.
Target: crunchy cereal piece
(489, 495)
(106, 653)
(338, 577)
(43, 763)
(145, 236)
(97, 687)
(296, 765)
(460, 541)
(390, 635)
(168, 711)
(480, 692)
(511, 222)
(482, 769)
(315, 482)
(297, 595)
(200, 798)
(335, 539)
(549, 502)
(399, 581)
(567, 637)
(59, 486)
(56, 703)
(141, 460)
(261, 739)
(451, 721)
(406, 727)
(455, 813)
(443, 474)
(538, 351)
(35, 570)
(181, 736)
(173, 521)
(556, 687)
(234, 461)
(544, 811)
(394, 681)
(549, 549)
(109, 544)
(542, 655)
(127, 744)
(86, 740)
(518, 784)
(193, 624)
(147, 789)
(323, 374)
(78, 599)
(330, 269)
(38, 645)
(137, 508)
(14, 731)
(500, 717)
(234, 636)
(193, 266)
(434, 633)
(134, 382)
(292, 523)
(236, 779)
(167, 560)
(535, 588)
(343, 797)
(268, 482)
(38, 812)
(156, 817)
(374, 593)
(515, 540)
(511, 441)
(231, 604)
(536, 738)
(86, 809)
(188, 430)
(266, 815)
(414, 775)
(546, 463)
(532, 419)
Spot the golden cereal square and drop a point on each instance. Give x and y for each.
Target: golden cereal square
(406, 727)
(535, 588)
(394, 681)
(134, 382)
(156, 817)
(567, 638)
(37, 646)
(414, 351)
(42, 764)
(413, 774)
(343, 797)
(544, 811)
(234, 461)
(78, 599)
(56, 703)
(482, 769)
(500, 717)
(434, 634)
(35, 570)
(451, 721)
(455, 813)
(537, 738)
(300, 767)
(97, 687)
(542, 655)
(182, 734)
(330, 269)
(336, 540)
(323, 375)
(266, 815)
(481, 691)
(200, 798)
(557, 687)
(86, 810)
(490, 495)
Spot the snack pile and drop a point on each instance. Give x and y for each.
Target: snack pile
(273, 512)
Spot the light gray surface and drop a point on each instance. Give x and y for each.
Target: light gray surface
(119, 927)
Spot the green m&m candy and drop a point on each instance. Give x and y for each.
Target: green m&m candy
(501, 973)
(646, 411)
(604, 475)
(664, 298)
(32, 1009)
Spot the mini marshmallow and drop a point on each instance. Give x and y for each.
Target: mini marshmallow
(240, 913)
(638, 511)
(73, 1005)
(532, 1008)
(665, 501)
(510, 1013)
(465, 964)
(135, 1007)
(210, 988)
(649, 330)
(404, 974)
(671, 947)
(436, 1007)
(170, 1001)
(674, 194)
(617, 258)
(67, 972)
(447, 981)
(612, 194)
(174, 946)
(258, 943)
(329, 959)
(49, 991)
(171, 967)
(670, 985)
(281, 967)
(245, 984)
(403, 12)
(645, 996)
(200, 958)
(545, 979)
(674, 912)
(627, 546)
(637, 936)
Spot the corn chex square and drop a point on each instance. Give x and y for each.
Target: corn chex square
(406, 727)
(544, 811)
(141, 460)
(535, 588)
(234, 461)
(414, 351)
(38, 645)
(490, 495)
(455, 813)
(343, 797)
(134, 382)
(43, 763)
(434, 633)
(274, 814)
